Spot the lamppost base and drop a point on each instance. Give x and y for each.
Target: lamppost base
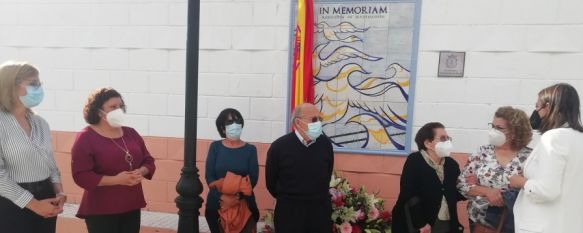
(189, 201)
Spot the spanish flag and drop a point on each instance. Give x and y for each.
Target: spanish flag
(302, 78)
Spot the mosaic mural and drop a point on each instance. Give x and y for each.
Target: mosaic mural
(362, 58)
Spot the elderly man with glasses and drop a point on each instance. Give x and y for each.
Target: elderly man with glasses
(298, 171)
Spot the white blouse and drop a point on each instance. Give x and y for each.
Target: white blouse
(23, 158)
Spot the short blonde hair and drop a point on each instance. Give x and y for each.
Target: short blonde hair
(13, 73)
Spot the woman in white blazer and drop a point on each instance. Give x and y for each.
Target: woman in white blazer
(551, 199)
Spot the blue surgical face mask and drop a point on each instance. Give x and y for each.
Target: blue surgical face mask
(34, 96)
(314, 130)
(233, 131)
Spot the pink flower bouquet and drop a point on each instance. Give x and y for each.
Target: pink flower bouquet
(353, 210)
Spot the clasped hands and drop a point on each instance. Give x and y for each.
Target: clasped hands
(494, 195)
(48, 208)
(130, 178)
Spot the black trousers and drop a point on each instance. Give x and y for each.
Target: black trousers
(212, 218)
(114, 223)
(13, 219)
(303, 216)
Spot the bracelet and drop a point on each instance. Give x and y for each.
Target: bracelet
(61, 194)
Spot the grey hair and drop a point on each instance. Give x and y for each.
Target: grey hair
(296, 114)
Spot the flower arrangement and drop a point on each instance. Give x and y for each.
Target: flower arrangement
(268, 221)
(353, 210)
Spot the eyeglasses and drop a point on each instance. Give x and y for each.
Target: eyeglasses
(491, 125)
(313, 119)
(34, 83)
(443, 138)
(231, 121)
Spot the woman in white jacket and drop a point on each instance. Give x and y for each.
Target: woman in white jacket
(551, 199)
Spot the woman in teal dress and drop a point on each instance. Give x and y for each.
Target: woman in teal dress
(230, 154)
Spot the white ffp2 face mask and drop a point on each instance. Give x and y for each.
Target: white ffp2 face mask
(496, 137)
(116, 118)
(444, 149)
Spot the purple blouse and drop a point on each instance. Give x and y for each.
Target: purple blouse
(95, 156)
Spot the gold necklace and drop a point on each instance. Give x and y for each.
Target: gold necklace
(128, 157)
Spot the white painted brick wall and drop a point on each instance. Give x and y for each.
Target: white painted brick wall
(58, 79)
(8, 53)
(513, 49)
(253, 38)
(177, 60)
(168, 37)
(570, 12)
(111, 14)
(214, 84)
(139, 122)
(207, 129)
(9, 14)
(529, 12)
(149, 59)
(130, 81)
(202, 107)
(226, 61)
(555, 38)
(92, 37)
(110, 59)
(148, 13)
(176, 105)
(215, 37)
(80, 58)
(267, 109)
(226, 13)
(166, 126)
(147, 104)
(49, 101)
(89, 80)
(42, 57)
(178, 14)
(257, 131)
(59, 120)
(167, 82)
(259, 85)
(129, 37)
(70, 101)
(278, 128)
(280, 84)
(218, 103)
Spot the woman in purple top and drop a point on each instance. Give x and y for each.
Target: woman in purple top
(110, 161)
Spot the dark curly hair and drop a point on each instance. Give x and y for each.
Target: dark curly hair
(95, 102)
(518, 125)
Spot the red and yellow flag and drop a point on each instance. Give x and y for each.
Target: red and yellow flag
(302, 78)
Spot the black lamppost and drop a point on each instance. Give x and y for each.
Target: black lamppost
(189, 186)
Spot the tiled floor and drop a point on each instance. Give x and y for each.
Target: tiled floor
(151, 222)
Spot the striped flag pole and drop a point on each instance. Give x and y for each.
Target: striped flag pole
(302, 78)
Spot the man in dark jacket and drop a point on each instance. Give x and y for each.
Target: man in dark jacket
(298, 172)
